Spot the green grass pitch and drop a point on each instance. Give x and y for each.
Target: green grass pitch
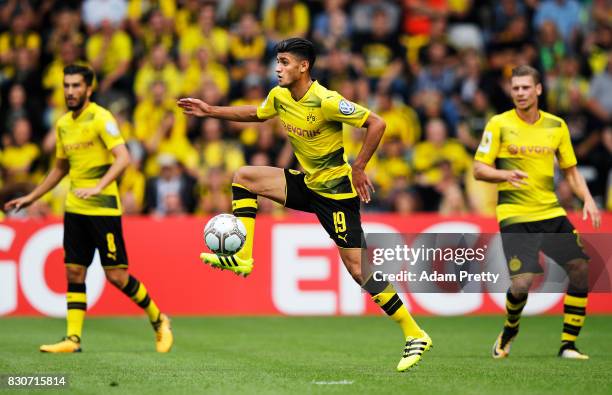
(309, 355)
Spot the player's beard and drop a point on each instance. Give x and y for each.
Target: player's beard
(78, 105)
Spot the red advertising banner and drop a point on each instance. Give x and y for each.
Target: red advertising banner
(297, 270)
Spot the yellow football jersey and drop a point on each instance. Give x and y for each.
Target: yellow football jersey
(314, 126)
(512, 144)
(87, 142)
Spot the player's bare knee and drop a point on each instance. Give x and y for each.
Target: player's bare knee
(519, 293)
(578, 273)
(520, 285)
(75, 274)
(117, 277)
(245, 176)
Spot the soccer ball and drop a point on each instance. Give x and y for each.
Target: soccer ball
(224, 234)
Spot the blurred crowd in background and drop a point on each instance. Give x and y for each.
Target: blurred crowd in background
(435, 70)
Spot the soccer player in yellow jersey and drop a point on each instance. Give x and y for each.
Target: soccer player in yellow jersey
(517, 152)
(91, 151)
(312, 116)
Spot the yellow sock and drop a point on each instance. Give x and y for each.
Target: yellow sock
(138, 293)
(390, 302)
(76, 300)
(244, 207)
(574, 313)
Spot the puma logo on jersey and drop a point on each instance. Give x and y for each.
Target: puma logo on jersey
(111, 256)
(343, 237)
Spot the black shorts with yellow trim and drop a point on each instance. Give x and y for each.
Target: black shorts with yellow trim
(556, 238)
(340, 218)
(83, 234)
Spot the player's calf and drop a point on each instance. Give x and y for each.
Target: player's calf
(351, 257)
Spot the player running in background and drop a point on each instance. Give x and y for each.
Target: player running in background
(91, 151)
(517, 152)
(329, 187)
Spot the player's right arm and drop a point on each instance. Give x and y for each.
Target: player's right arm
(198, 108)
(259, 113)
(59, 171)
(56, 174)
(489, 173)
(484, 163)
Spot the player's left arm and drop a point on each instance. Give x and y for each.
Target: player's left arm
(567, 162)
(580, 189)
(336, 108)
(375, 128)
(122, 159)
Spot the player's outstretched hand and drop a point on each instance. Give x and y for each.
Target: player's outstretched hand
(85, 193)
(18, 204)
(194, 107)
(590, 210)
(362, 184)
(517, 178)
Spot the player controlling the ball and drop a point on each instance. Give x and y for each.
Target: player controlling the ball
(329, 187)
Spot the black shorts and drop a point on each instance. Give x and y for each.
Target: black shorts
(340, 218)
(83, 234)
(522, 243)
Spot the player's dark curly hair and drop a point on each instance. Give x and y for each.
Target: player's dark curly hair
(87, 73)
(299, 47)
